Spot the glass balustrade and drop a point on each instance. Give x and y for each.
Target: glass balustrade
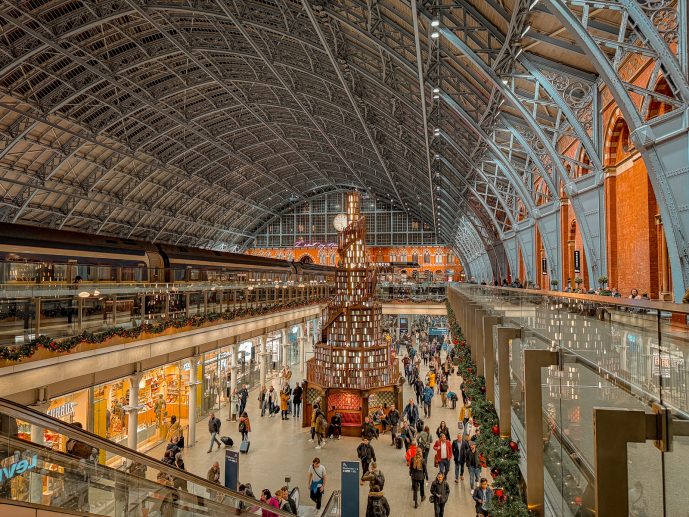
(61, 311)
(614, 353)
(63, 467)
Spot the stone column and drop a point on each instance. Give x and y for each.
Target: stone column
(234, 367)
(132, 410)
(262, 356)
(285, 347)
(36, 483)
(193, 382)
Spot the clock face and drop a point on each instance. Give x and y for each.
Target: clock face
(340, 222)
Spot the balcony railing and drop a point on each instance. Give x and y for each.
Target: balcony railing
(59, 315)
(629, 356)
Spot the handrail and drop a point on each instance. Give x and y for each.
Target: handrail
(20, 412)
(605, 300)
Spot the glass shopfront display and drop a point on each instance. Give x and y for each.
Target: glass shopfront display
(163, 392)
(216, 371)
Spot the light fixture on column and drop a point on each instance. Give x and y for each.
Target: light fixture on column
(435, 22)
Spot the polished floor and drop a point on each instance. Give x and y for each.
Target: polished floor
(281, 449)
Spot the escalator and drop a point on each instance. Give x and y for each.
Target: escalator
(70, 475)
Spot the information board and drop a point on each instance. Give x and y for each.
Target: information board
(350, 488)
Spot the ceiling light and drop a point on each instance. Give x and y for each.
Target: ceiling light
(526, 29)
(437, 156)
(436, 90)
(436, 131)
(436, 21)
(435, 34)
(96, 293)
(533, 4)
(84, 294)
(505, 81)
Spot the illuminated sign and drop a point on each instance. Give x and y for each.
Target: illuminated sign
(62, 411)
(18, 468)
(317, 245)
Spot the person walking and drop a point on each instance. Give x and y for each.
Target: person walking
(213, 475)
(423, 439)
(316, 482)
(442, 429)
(473, 463)
(374, 476)
(321, 427)
(411, 413)
(263, 399)
(418, 389)
(394, 421)
(272, 397)
(244, 426)
(366, 454)
(440, 491)
(465, 414)
(460, 446)
(444, 388)
(427, 399)
(377, 505)
(419, 474)
(284, 404)
(443, 453)
(213, 430)
(482, 496)
(243, 397)
(296, 400)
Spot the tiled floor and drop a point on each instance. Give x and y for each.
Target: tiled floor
(281, 449)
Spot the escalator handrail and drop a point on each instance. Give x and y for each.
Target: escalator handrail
(32, 416)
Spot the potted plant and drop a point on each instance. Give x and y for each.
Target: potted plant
(554, 283)
(602, 281)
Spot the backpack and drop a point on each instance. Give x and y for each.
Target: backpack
(379, 479)
(377, 509)
(242, 426)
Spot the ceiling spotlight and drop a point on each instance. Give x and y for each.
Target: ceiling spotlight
(436, 90)
(435, 34)
(526, 29)
(436, 131)
(437, 156)
(436, 21)
(84, 294)
(436, 96)
(505, 81)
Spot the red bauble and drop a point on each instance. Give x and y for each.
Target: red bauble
(455, 342)
(499, 492)
(470, 369)
(503, 498)
(514, 445)
(483, 389)
(494, 472)
(495, 430)
(464, 343)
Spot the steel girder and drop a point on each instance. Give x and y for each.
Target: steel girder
(663, 142)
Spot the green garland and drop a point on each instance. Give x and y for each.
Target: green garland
(26, 350)
(498, 453)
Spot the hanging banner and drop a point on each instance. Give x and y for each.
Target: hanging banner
(544, 266)
(577, 262)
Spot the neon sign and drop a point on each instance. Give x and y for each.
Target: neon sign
(18, 468)
(301, 243)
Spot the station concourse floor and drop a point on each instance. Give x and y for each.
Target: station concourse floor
(280, 448)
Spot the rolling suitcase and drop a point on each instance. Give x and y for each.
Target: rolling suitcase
(244, 447)
(227, 441)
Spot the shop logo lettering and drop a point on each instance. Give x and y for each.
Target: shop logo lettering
(18, 468)
(63, 410)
